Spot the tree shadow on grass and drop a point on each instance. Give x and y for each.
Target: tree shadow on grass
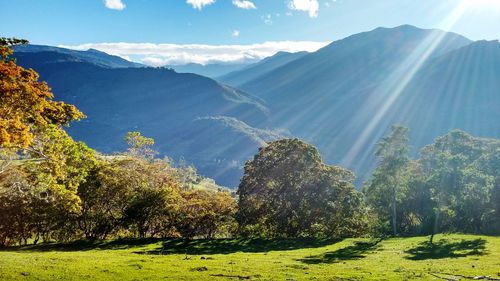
(227, 246)
(84, 245)
(357, 251)
(447, 249)
(182, 246)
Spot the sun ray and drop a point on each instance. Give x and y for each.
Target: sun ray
(398, 80)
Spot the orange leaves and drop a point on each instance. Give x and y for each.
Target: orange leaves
(26, 104)
(14, 132)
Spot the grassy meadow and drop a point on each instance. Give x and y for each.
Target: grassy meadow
(453, 257)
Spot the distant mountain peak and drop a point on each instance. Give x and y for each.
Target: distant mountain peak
(91, 55)
(91, 50)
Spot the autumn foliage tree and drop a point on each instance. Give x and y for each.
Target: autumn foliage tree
(38, 195)
(26, 104)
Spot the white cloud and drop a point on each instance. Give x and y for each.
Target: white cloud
(236, 33)
(244, 4)
(114, 4)
(310, 6)
(199, 4)
(172, 54)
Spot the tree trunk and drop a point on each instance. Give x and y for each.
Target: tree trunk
(394, 218)
(435, 228)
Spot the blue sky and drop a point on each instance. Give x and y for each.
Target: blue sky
(244, 23)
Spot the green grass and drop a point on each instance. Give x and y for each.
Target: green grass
(451, 257)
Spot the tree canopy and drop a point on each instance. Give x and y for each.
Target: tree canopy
(288, 191)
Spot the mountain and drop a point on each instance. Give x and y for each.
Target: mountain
(259, 69)
(359, 60)
(344, 97)
(159, 103)
(459, 89)
(90, 56)
(209, 70)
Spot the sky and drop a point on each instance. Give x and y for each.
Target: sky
(160, 32)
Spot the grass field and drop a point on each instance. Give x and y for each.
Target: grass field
(453, 257)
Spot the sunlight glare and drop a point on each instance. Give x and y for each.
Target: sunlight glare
(482, 4)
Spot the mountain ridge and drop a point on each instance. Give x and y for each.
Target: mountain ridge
(92, 55)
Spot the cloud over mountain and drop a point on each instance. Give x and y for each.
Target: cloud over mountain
(172, 54)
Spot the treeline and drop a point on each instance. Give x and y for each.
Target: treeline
(91, 196)
(55, 189)
(453, 187)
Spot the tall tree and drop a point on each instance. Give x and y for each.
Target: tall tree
(386, 184)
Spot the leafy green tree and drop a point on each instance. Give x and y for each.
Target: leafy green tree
(460, 191)
(207, 213)
(104, 198)
(384, 190)
(288, 191)
(43, 191)
(153, 206)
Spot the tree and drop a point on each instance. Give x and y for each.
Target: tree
(154, 202)
(104, 197)
(459, 179)
(288, 191)
(139, 145)
(43, 193)
(26, 105)
(451, 187)
(387, 179)
(489, 165)
(50, 165)
(207, 213)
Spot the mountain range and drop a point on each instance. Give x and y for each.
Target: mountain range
(342, 98)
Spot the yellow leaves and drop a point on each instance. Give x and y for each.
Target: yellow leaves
(26, 105)
(14, 132)
(140, 145)
(5, 52)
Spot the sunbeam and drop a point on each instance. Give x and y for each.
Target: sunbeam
(398, 80)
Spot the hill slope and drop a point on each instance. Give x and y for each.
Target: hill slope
(260, 69)
(209, 70)
(160, 103)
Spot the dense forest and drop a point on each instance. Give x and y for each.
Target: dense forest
(53, 188)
